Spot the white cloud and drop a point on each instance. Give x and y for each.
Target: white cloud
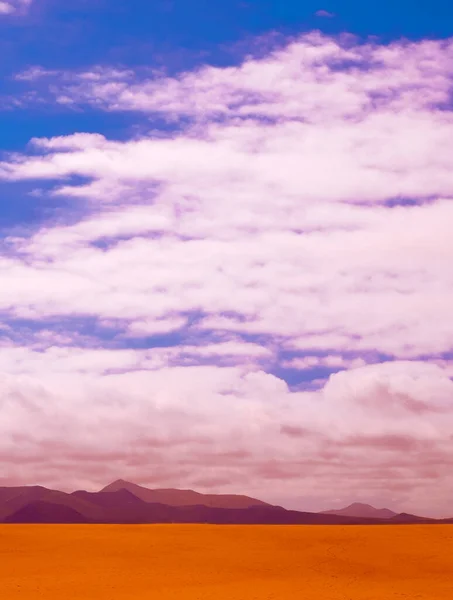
(262, 229)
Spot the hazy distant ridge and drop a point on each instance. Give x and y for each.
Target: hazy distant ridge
(126, 502)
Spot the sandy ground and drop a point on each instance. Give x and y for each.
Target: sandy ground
(201, 562)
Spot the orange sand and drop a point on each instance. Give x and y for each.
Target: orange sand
(201, 562)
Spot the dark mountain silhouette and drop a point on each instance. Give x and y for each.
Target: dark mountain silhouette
(260, 515)
(362, 511)
(45, 512)
(119, 499)
(125, 502)
(122, 506)
(174, 497)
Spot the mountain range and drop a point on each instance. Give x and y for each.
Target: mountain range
(126, 502)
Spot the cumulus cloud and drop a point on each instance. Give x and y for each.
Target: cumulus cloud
(293, 214)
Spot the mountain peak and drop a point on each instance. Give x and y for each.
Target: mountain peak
(118, 484)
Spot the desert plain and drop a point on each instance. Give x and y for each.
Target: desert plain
(220, 562)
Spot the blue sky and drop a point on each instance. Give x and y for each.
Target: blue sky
(221, 222)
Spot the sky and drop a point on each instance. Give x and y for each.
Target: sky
(225, 248)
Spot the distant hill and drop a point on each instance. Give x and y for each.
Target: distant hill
(362, 511)
(403, 518)
(146, 512)
(174, 497)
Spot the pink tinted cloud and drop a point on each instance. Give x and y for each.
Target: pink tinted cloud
(244, 426)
